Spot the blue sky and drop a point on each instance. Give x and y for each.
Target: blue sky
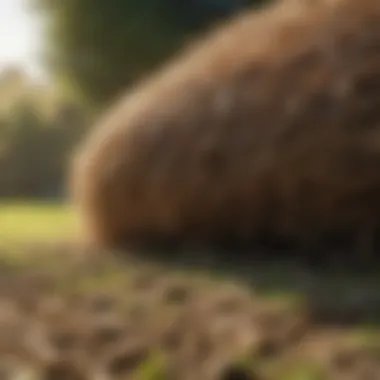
(19, 35)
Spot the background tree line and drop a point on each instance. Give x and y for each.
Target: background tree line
(93, 49)
(37, 132)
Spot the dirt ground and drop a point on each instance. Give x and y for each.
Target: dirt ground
(79, 315)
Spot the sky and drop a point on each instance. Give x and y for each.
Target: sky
(19, 36)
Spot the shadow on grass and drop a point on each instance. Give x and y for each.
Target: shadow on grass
(341, 295)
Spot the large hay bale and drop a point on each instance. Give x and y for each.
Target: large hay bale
(269, 125)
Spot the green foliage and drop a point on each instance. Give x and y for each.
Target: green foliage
(36, 138)
(97, 47)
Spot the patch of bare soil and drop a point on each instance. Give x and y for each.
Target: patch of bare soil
(74, 317)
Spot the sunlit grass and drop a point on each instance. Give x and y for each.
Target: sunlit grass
(22, 222)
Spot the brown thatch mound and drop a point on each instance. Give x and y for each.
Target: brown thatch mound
(269, 125)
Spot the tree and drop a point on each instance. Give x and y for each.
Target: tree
(98, 47)
(37, 133)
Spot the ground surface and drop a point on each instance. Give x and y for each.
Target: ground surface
(70, 314)
(25, 222)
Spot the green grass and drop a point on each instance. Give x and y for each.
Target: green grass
(26, 222)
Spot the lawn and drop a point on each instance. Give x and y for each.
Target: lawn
(24, 222)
